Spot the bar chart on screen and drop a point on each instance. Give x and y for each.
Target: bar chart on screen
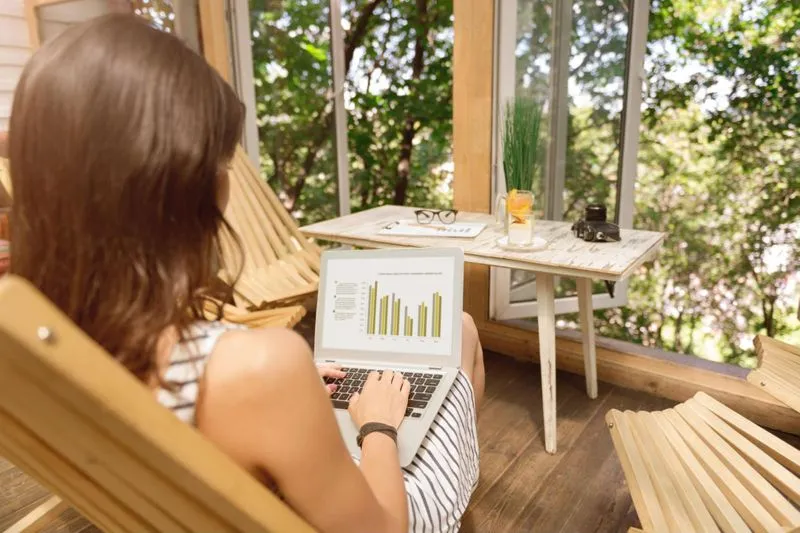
(391, 317)
(389, 305)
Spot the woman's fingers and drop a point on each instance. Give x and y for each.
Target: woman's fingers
(331, 371)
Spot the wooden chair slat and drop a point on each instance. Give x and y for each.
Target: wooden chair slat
(97, 454)
(47, 466)
(716, 502)
(779, 507)
(86, 381)
(772, 445)
(271, 239)
(778, 370)
(773, 384)
(258, 214)
(641, 486)
(748, 506)
(669, 499)
(772, 470)
(700, 516)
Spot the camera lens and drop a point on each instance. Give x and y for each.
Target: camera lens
(595, 213)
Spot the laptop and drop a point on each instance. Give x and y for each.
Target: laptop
(395, 309)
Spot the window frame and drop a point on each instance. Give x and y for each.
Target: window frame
(238, 17)
(500, 305)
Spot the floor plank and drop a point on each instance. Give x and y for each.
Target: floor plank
(581, 489)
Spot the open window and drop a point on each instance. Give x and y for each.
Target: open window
(583, 61)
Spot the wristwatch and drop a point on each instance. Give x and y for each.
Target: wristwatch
(376, 427)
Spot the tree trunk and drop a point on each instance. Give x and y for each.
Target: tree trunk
(409, 129)
(768, 308)
(676, 345)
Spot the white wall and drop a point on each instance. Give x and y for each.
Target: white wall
(15, 46)
(14, 52)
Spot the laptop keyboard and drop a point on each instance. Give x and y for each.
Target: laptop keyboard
(423, 385)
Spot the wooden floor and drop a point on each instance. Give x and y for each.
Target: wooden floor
(581, 489)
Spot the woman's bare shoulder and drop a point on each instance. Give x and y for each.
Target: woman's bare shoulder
(259, 352)
(249, 376)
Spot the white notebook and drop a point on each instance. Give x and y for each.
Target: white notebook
(411, 228)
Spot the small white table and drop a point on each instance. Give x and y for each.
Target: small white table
(565, 255)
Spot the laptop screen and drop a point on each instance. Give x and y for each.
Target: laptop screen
(389, 304)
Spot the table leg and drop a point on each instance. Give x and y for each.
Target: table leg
(545, 301)
(587, 329)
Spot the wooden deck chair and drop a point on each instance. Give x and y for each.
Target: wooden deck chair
(701, 467)
(286, 317)
(281, 265)
(83, 426)
(778, 370)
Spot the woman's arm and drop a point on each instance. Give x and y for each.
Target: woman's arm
(262, 402)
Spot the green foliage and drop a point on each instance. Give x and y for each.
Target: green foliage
(398, 97)
(521, 122)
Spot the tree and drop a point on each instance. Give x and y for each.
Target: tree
(397, 61)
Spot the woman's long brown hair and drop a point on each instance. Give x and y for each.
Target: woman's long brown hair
(119, 137)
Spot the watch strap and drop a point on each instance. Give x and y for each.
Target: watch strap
(376, 427)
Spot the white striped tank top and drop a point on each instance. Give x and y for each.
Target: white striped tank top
(440, 480)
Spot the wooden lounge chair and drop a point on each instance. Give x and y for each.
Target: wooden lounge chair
(83, 426)
(286, 317)
(281, 265)
(778, 371)
(702, 467)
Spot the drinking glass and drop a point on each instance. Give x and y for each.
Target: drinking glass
(515, 211)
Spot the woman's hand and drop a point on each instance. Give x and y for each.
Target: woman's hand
(383, 399)
(328, 370)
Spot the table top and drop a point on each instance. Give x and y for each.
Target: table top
(564, 254)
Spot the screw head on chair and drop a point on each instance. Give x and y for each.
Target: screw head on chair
(46, 335)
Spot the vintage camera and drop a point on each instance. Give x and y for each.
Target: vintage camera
(594, 228)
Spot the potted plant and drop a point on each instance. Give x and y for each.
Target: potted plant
(521, 123)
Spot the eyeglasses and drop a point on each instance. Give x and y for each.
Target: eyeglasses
(426, 216)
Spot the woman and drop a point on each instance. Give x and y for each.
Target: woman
(119, 144)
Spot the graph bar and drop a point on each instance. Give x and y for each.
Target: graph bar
(422, 320)
(389, 314)
(384, 315)
(436, 319)
(396, 316)
(372, 305)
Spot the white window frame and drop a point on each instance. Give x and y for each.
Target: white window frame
(501, 307)
(238, 13)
